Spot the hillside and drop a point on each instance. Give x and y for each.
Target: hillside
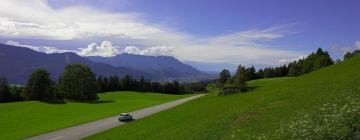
(19, 62)
(281, 108)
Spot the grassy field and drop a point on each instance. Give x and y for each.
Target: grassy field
(257, 114)
(23, 119)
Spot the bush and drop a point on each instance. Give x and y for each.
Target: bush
(230, 89)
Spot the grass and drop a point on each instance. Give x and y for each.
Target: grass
(23, 119)
(257, 114)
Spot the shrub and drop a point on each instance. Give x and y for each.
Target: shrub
(230, 89)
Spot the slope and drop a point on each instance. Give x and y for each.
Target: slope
(257, 114)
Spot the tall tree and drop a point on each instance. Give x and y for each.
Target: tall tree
(40, 86)
(240, 77)
(78, 82)
(250, 73)
(224, 76)
(4, 90)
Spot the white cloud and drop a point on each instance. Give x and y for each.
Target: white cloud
(105, 49)
(287, 61)
(357, 45)
(153, 51)
(342, 50)
(246, 37)
(36, 19)
(132, 50)
(345, 49)
(44, 49)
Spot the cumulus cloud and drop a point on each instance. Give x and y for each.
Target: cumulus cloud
(105, 49)
(43, 49)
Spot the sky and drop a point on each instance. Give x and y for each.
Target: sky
(208, 34)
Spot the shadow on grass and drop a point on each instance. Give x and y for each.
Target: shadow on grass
(251, 88)
(55, 102)
(98, 102)
(237, 91)
(86, 102)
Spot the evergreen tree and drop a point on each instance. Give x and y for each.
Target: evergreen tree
(224, 76)
(250, 73)
(127, 82)
(240, 77)
(155, 87)
(260, 74)
(4, 90)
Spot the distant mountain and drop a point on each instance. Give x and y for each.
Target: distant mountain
(163, 66)
(17, 63)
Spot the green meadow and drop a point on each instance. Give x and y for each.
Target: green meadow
(274, 109)
(23, 119)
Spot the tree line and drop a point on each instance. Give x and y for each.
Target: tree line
(349, 55)
(78, 83)
(237, 82)
(128, 83)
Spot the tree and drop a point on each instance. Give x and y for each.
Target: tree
(142, 83)
(40, 87)
(78, 82)
(269, 73)
(260, 74)
(224, 76)
(16, 93)
(127, 82)
(172, 88)
(155, 87)
(250, 73)
(349, 55)
(101, 84)
(240, 77)
(4, 90)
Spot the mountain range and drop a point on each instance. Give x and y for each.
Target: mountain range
(163, 66)
(17, 63)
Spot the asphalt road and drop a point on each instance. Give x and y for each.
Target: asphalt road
(87, 129)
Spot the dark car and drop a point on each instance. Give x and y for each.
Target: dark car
(125, 117)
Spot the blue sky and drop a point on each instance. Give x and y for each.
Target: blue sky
(219, 32)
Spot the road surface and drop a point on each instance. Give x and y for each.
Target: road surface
(87, 129)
